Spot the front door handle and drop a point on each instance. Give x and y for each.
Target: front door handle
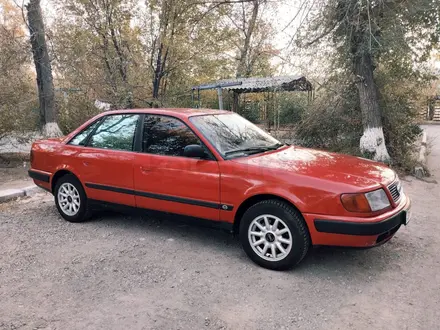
(86, 163)
(145, 169)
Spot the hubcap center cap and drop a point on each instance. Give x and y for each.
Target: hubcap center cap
(270, 237)
(69, 199)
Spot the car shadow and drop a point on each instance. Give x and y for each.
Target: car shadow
(320, 261)
(168, 226)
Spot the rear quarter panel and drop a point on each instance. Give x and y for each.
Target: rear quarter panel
(51, 156)
(89, 165)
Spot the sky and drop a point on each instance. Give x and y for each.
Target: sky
(286, 16)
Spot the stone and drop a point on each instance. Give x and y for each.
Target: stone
(31, 190)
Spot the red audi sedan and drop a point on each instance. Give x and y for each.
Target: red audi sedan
(217, 166)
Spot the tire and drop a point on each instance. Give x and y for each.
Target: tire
(290, 227)
(69, 191)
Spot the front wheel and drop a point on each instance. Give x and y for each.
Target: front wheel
(71, 200)
(274, 235)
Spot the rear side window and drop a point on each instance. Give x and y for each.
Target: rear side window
(80, 138)
(116, 132)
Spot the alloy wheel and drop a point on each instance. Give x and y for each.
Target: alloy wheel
(270, 237)
(69, 199)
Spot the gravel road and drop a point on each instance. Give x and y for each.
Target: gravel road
(122, 272)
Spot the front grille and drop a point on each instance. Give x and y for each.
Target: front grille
(394, 189)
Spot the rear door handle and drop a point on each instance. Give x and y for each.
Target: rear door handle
(86, 163)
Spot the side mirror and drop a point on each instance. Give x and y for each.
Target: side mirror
(194, 151)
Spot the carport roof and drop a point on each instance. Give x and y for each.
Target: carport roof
(264, 84)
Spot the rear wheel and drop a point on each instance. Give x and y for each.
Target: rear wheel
(70, 199)
(274, 235)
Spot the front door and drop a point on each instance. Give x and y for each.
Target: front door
(165, 180)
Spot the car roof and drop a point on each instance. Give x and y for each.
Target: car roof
(175, 112)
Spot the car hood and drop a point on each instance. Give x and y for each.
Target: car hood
(343, 169)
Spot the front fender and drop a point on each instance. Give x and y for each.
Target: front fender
(254, 192)
(275, 191)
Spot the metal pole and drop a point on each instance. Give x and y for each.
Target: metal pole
(220, 98)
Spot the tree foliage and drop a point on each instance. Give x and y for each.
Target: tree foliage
(97, 50)
(376, 42)
(132, 54)
(17, 93)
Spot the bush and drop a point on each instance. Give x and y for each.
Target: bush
(401, 101)
(332, 122)
(18, 119)
(292, 107)
(250, 111)
(74, 111)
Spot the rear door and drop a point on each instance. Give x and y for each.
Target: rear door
(165, 180)
(106, 160)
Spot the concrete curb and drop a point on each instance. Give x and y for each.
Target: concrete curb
(7, 195)
(419, 170)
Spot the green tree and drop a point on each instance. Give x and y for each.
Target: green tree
(251, 41)
(131, 55)
(97, 49)
(18, 93)
(43, 69)
(366, 35)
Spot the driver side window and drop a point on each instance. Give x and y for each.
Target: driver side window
(166, 136)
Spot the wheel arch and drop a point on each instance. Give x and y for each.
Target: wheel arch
(252, 200)
(59, 174)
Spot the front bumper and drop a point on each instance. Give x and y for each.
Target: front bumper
(360, 228)
(358, 232)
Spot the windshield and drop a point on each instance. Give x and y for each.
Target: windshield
(232, 135)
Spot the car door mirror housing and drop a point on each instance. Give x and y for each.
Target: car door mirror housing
(194, 151)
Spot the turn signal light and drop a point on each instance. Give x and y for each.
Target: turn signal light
(355, 203)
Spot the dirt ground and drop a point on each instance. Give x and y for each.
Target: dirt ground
(122, 272)
(13, 169)
(8, 174)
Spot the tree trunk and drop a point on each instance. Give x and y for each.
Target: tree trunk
(43, 68)
(243, 69)
(235, 102)
(157, 73)
(127, 97)
(165, 40)
(372, 141)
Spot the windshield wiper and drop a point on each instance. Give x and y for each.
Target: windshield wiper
(254, 150)
(278, 145)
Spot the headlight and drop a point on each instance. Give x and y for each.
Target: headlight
(364, 203)
(378, 200)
